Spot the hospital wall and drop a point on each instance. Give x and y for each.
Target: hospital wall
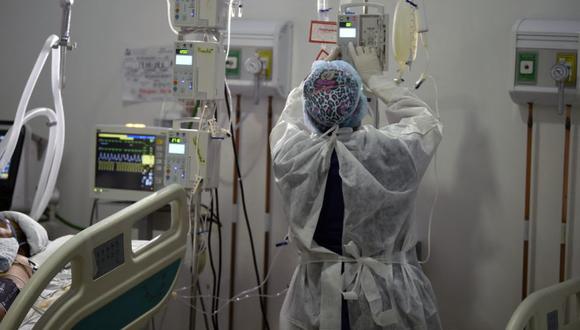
(476, 257)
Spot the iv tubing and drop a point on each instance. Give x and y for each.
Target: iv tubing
(436, 175)
(169, 18)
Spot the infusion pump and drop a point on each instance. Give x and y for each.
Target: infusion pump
(130, 163)
(366, 30)
(196, 13)
(199, 70)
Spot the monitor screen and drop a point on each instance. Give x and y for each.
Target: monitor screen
(347, 32)
(9, 174)
(125, 161)
(4, 172)
(183, 57)
(176, 146)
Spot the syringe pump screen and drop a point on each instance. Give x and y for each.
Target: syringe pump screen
(176, 148)
(347, 32)
(183, 57)
(125, 161)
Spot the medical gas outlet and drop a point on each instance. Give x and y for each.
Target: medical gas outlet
(259, 63)
(539, 46)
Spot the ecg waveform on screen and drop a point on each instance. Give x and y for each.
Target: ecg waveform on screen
(120, 162)
(120, 167)
(120, 157)
(125, 161)
(124, 155)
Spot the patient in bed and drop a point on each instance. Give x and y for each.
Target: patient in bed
(20, 238)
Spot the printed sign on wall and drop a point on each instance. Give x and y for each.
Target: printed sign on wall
(147, 74)
(322, 32)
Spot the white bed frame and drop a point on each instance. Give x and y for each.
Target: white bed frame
(545, 309)
(151, 271)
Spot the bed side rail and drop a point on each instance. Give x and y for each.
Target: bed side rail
(545, 308)
(96, 284)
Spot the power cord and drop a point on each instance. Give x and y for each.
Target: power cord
(93, 209)
(211, 262)
(219, 283)
(68, 223)
(204, 313)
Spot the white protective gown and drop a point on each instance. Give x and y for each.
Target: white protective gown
(381, 169)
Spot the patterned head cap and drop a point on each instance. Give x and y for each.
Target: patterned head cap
(333, 96)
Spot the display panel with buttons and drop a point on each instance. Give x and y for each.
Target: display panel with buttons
(199, 13)
(198, 70)
(131, 163)
(368, 30)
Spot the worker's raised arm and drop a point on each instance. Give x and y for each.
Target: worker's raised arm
(409, 118)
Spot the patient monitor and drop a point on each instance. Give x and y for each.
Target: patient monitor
(9, 173)
(19, 178)
(130, 163)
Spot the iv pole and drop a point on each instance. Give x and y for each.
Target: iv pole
(525, 267)
(560, 73)
(565, 180)
(234, 229)
(268, 217)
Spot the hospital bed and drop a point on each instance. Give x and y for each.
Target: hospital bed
(112, 286)
(545, 309)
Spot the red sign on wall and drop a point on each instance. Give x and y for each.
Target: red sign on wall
(322, 32)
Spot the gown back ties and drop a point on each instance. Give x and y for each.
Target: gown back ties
(360, 279)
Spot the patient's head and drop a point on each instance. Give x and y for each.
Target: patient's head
(9, 228)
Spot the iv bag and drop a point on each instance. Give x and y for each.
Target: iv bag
(323, 10)
(405, 35)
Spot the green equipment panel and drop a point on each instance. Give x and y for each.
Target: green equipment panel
(132, 304)
(233, 63)
(526, 68)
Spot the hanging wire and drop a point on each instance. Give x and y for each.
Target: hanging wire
(246, 294)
